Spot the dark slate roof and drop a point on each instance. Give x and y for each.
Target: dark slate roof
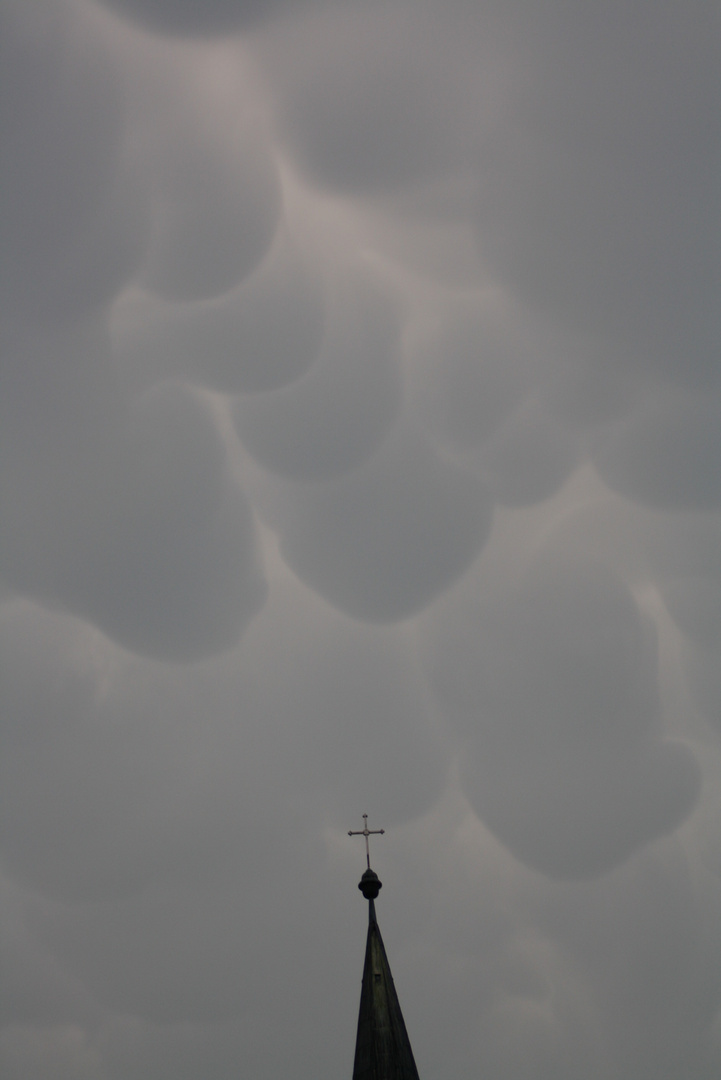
(383, 1050)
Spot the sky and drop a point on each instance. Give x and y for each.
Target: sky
(360, 452)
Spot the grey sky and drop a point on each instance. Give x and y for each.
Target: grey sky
(360, 451)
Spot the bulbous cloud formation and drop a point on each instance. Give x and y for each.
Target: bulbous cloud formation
(383, 541)
(598, 200)
(369, 105)
(119, 508)
(554, 691)
(150, 536)
(477, 381)
(74, 216)
(359, 404)
(215, 213)
(262, 334)
(332, 419)
(694, 603)
(64, 681)
(666, 452)
(197, 16)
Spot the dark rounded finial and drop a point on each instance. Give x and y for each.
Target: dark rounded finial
(370, 884)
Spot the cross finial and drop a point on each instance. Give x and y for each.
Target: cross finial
(365, 831)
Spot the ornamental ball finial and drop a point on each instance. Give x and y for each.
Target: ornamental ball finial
(370, 884)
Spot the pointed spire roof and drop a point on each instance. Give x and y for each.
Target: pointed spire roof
(383, 1049)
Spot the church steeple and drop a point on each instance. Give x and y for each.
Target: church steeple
(383, 1049)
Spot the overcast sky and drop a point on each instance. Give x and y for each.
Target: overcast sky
(360, 451)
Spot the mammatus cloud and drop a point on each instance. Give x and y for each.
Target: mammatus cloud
(359, 409)
(261, 335)
(477, 381)
(596, 198)
(73, 215)
(382, 542)
(190, 17)
(369, 106)
(215, 210)
(666, 452)
(332, 419)
(139, 527)
(554, 691)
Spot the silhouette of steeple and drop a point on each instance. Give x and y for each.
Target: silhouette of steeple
(383, 1049)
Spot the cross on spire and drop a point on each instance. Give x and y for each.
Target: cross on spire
(365, 831)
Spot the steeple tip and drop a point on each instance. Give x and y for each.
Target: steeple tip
(382, 1049)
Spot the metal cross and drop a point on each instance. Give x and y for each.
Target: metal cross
(365, 831)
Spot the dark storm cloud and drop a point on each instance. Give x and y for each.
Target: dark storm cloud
(667, 452)
(553, 688)
(85, 470)
(470, 369)
(598, 200)
(215, 210)
(259, 336)
(476, 379)
(368, 104)
(653, 1023)
(138, 527)
(383, 541)
(429, 288)
(73, 215)
(35, 987)
(332, 419)
(694, 603)
(701, 674)
(313, 703)
(195, 17)
(529, 457)
(194, 582)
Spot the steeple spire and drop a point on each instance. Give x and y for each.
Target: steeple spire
(383, 1049)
